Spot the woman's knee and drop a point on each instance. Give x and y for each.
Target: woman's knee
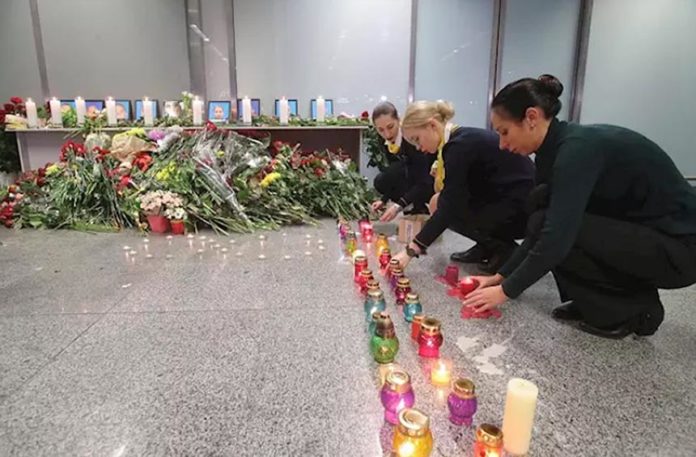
(432, 206)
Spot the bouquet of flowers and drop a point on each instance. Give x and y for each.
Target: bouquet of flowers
(158, 202)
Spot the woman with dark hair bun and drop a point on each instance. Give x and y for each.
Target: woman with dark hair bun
(407, 181)
(613, 218)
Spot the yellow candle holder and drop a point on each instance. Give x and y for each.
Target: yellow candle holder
(412, 437)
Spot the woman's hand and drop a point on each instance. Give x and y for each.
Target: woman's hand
(376, 205)
(403, 259)
(390, 213)
(488, 281)
(484, 299)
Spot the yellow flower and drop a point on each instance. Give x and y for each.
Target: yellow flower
(136, 132)
(270, 177)
(52, 169)
(164, 173)
(220, 153)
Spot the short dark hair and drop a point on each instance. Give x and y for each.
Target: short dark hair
(516, 97)
(385, 108)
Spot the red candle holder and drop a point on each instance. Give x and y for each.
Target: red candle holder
(416, 325)
(393, 263)
(359, 265)
(430, 338)
(384, 259)
(365, 276)
(403, 287)
(451, 276)
(372, 284)
(465, 287)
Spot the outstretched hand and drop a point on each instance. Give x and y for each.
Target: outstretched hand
(485, 298)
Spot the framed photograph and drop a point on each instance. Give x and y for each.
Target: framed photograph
(219, 111)
(66, 105)
(328, 103)
(172, 108)
(139, 109)
(255, 107)
(94, 107)
(292, 105)
(123, 110)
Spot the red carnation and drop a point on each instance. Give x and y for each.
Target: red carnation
(16, 100)
(124, 182)
(143, 161)
(210, 127)
(319, 172)
(9, 108)
(365, 115)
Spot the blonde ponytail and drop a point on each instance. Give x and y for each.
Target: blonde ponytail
(419, 113)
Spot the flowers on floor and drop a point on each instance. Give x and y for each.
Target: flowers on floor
(211, 177)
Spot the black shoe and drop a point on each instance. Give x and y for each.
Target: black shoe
(650, 321)
(497, 259)
(616, 332)
(476, 254)
(567, 312)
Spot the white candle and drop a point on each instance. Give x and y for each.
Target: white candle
(56, 117)
(110, 111)
(32, 116)
(246, 110)
(321, 109)
(520, 406)
(283, 111)
(80, 109)
(148, 109)
(197, 106)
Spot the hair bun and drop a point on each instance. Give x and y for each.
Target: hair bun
(552, 85)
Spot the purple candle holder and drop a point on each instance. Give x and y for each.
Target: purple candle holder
(396, 395)
(462, 402)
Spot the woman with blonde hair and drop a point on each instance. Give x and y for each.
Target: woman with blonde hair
(482, 190)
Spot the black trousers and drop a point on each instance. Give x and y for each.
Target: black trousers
(614, 269)
(495, 226)
(392, 182)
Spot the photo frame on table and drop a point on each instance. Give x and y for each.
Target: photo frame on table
(292, 107)
(219, 111)
(123, 110)
(139, 109)
(328, 103)
(255, 107)
(172, 108)
(67, 104)
(94, 107)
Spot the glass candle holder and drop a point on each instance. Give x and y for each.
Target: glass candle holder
(441, 373)
(430, 338)
(415, 325)
(368, 233)
(372, 284)
(412, 306)
(385, 258)
(384, 369)
(489, 441)
(351, 243)
(384, 345)
(467, 285)
(365, 276)
(462, 403)
(403, 288)
(374, 302)
(343, 229)
(412, 437)
(452, 274)
(397, 273)
(381, 243)
(359, 265)
(393, 263)
(377, 316)
(396, 394)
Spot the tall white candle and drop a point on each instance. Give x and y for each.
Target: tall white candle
(80, 109)
(32, 115)
(520, 406)
(283, 111)
(56, 116)
(246, 110)
(110, 111)
(197, 106)
(321, 109)
(148, 109)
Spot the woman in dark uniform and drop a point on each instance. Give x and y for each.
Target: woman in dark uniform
(482, 190)
(615, 219)
(407, 181)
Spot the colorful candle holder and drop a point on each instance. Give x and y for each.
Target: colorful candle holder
(376, 317)
(489, 441)
(384, 344)
(384, 369)
(359, 264)
(412, 437)
(393, 263)
(381, 244)
(385, 258)
(462, 402)
(467, 285)
(397, 273)
(430, 338)
(415, 325)
(351, 243)
(343, 229)
(396, 394)
(441, 373)
(365, 276)
(374, 302)
(403, 287)
(368, 233)
(372, 284)
(412, 306)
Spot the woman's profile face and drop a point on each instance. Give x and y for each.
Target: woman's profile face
(426, 139)
(387, 127)
(515, 136)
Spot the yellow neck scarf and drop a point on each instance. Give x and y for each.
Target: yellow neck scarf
(439, 165)
(394, 147)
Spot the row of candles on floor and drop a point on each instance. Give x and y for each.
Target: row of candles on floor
(412, 436)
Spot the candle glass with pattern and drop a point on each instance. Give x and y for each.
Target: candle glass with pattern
(462, 403)
(343, 229)
(397, 273)
(396, 394)
(384, 344)
(384, 259)
(393, 263)
(412, 306)
(403, 288)
(381, 244)
(372, 284)
(365, 276)
(430, 338)
(368, 233)
(489, 441)
(412, 437)
(467, 285)
(376, 317)
(351, 243)
(374, 302)
(359, 264)
(415, 325)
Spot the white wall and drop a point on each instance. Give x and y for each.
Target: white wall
(641, 72)
(19, 71)
(353, 51)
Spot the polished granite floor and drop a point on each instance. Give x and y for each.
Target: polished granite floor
(223, 353)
